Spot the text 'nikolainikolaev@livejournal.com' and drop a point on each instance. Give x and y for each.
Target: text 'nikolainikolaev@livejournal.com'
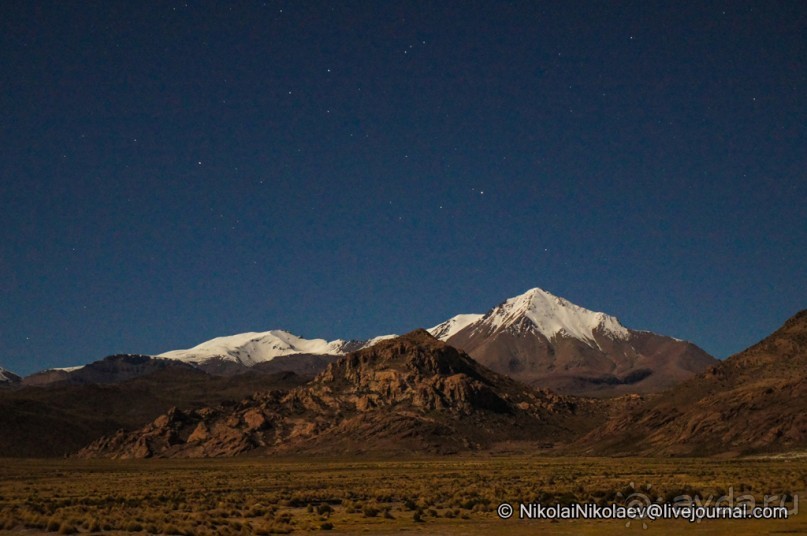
(649, 512)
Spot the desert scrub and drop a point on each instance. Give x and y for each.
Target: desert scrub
(270, 496)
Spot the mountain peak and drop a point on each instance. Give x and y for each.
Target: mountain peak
(552, 315)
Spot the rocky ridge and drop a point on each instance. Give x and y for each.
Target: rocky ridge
(754, 401)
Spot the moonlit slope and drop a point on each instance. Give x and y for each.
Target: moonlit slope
(551, 316)
(252, 348)
(376, 340)
(451, 326)
(6, 376)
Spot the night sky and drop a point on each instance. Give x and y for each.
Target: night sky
(175, 171)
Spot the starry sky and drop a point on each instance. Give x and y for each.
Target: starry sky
(175, 171)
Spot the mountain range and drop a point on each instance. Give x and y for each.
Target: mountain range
(509, 379)
(418, 394)
(536, 338)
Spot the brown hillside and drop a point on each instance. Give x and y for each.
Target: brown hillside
(754, 401)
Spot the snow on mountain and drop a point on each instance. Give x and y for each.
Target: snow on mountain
(251, 348)
(6, 376)
(551, 316)
(68, 369)
(451, 326)
(546, 341)
(376, 340)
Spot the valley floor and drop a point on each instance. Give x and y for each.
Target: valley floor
(451, 495)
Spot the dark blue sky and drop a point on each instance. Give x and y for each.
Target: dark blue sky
(175, 171)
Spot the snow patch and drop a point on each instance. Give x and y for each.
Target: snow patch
(69, 369)
(447, 329)
(7, 376)
(376, 340)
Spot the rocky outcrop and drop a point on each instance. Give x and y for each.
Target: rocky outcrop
(413, 392)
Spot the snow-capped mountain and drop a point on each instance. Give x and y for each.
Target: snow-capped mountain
(251, 349)
(265, 353)
(7, 377)
(444, 330)
(547, 341)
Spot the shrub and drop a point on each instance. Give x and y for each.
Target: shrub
(324, 508)
(285, 517)
(67, 528)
